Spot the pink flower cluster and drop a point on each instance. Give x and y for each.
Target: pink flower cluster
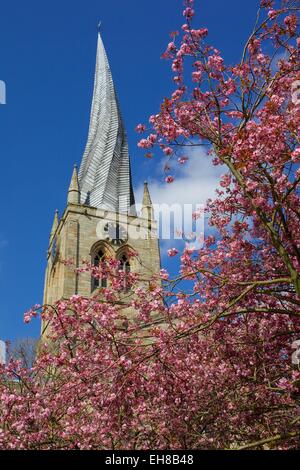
(169, 179)
(172, 252)
(203, 360)
(140, 128)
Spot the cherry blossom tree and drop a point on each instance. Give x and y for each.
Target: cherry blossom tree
(24, 349)
(209, 366)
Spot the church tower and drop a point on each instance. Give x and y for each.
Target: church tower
(100, 219)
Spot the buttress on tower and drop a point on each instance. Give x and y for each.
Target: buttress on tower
(100, 219)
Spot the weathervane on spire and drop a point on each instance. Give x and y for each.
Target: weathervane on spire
(99, 26)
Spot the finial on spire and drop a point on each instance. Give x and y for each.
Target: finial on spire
(99, 26)
(74, 191)
(55, 224)
(147, 207)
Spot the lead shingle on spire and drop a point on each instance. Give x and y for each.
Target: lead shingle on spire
(104, 175)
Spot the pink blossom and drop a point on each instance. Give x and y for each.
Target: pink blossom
(254, 46)
(234, 114)
(266, 3)
(241, 70)
(199, 33)
(296, 155)
(229, 87)
(171, 47)
(198, 213)
(152, 138)
(188, 12)
(216, 62)
(284, 383)
(168, 151)
(164, 274)
(169, 179)
(196, 76)
(273, 13)
(145, 144)
(262, 59)
(177, 65)
(251, 185)
(177, 94)
(172, 252)
(225, 180)
(291, 23)
(140, 128)
(27, 318)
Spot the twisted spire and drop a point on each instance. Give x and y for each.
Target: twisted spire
(104, 175)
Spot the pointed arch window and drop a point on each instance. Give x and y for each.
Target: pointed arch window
(98, 258)
(125, 268)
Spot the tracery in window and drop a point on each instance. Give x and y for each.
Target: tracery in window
(125, 268)
(98, 258)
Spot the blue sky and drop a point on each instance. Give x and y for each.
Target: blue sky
(47, 59)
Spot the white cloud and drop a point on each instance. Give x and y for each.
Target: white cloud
(196, 181)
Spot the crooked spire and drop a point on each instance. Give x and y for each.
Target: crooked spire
(104, 175)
